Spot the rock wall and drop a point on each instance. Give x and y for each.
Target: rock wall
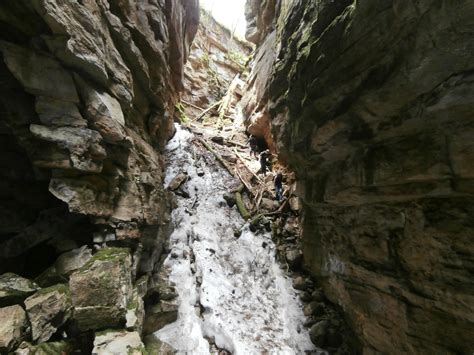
(88, 93)
(369, 102)
(215, 59)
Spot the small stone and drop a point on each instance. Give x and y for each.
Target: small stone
(305, 297)
(230, 199)
(269, 205)
(294, 258)
(295, 204)
(183, 192)
(177, 181)
(318, 333)
(300, 283)
(318, 295)
(13, 327)
(314, 308)
(218, 139)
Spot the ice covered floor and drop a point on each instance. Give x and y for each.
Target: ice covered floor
(230, 289)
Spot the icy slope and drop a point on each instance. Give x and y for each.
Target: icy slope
(230, 289)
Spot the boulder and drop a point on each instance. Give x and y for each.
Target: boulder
(314, 308)
(159, 315)
(294, 258)
(64, 266)
(48, 310)
(163, 288)
(101, 289)
(300, 283)
(50, 348)
(135, 313)
(68, 262)
(13, 327)
(153, 345)
(318, 333)
(14, 289)
(111, 342)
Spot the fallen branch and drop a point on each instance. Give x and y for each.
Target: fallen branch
(192, 105)
(249, 188)
(203, 113)
(218, 157)
(245, 164)
(226, 100)
(231, 142)
(240, 206)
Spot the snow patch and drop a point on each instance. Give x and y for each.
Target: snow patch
(231, 290)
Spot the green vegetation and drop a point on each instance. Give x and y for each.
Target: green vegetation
(104, 255)
(61, 288)
(237, 58)
(183, 118)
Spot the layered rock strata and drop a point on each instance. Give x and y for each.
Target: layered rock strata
(369, 103)
(88, 94)
(217, 57)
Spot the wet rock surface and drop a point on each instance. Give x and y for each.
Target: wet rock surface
(87, 101)
(369, 104)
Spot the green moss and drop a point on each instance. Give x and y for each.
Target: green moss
(105, 255)
(53, 348)
(133, 303)
(237, 58)
(61, 288)
(183, 118)
(141, 349)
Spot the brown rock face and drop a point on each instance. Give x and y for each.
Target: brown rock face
(369, 102)
(215, 59)
(87, 100)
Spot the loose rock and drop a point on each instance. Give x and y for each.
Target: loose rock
(112, 342)
(48, 310)
(318, 333)
(101, 289)
(177, 181)
(14, 289)
(13, 327)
